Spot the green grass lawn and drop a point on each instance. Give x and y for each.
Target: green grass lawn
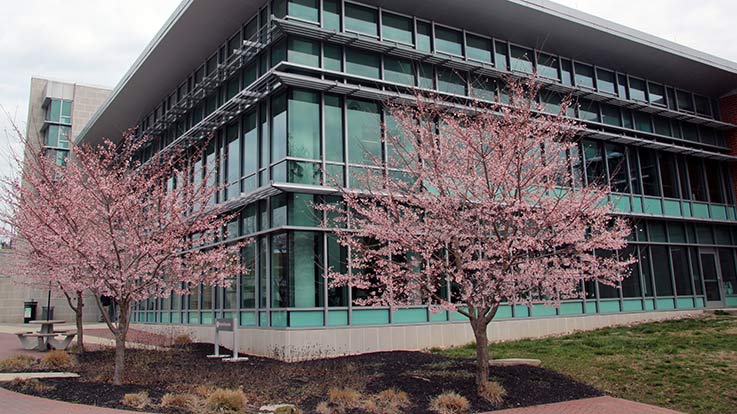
(688, 365)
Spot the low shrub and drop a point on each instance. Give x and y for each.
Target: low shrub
(18, 363)
(30, 385)
(391, 401)
(450, 403)
(58, 360)
(182, 340)
(180, 402)
(344, 397)
(226, 401)
(493, 392)
(139, 400)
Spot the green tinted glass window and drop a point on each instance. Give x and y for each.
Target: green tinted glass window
(304, 52)
(547, 66)
(500, 55)
(278, 127)
(304, 125)
(450, 81)
(361, 19)
(66, 112)
(448, 41)
(331, 14)
(424, 37)
(362, 63)
(478, 48)
(637, 90)
(334, 128)
(397, 28)
(305, 9)
(333, 57)
(250, 144)
(584, 75)
(610, 115)
(605, 81)
(398, 70)
(364, 132)
(521, 59)
(426, 80)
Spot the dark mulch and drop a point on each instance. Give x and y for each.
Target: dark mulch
(421, 375)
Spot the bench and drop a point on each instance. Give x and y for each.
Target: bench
(40, 343)
(64, 343)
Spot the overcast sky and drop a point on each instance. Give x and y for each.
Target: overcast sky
(95, 42)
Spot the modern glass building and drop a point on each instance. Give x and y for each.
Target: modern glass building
(293, 91)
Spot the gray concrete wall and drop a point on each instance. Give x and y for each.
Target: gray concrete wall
(301, 344)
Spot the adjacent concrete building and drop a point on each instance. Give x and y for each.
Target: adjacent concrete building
(57, 112)
(293, 89)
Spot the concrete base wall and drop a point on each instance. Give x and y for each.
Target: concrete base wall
(300, 344)
(12, 296)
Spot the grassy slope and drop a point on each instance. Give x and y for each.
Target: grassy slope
(688, 365)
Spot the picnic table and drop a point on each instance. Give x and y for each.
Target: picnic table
(46, 337)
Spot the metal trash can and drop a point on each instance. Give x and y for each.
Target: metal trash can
(47, 314)
(29, 310)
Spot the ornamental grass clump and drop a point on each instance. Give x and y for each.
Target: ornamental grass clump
(138, 400)
(226, 401)
(58, 360)
(180, 402)
(493, 392)
(18, 363)
(391, 401)
(450, 403)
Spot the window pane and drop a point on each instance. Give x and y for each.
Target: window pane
(500, 55)
(684, 101)
(634, 170)
(305, 270)
(427, 80)
(424, 37)
(727, 265)
(305, 9)
(450, 81)
(588, 110)
(649, 170)
(702, 105)
(617, 168)
(657, 94)
(280, 289)
(331, 14)
(248, 281)
(54, 111)
(304, 52)
(364, 132)
(521, 59)
(337, 262)
(301, 172)
(668, 174)
(361, 19)
(233, 161)
(605, 81)
(696, 178)
(334, 128)
(566, 71)
(584, 75)
(637, 90)
(397, 28)
(398, 70)
(333, 59)
(304, 125)
(713, 178)
(250, 144)
(595, 170)
(681, 271)
(662, 125)
(661, 267)
(631, 286)
(278, 127)
(643, 122)
(362, 63)
(448, 41)
(547, 66)
(478, 48)
(279, 8)
(66, 112)
(610, 115)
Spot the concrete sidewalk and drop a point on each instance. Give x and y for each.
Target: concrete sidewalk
(599, 405)
(14, 403)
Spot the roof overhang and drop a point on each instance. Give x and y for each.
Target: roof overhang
(198, 27)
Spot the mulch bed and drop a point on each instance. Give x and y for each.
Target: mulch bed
(265, 381)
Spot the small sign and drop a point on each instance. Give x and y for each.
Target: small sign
(224, 325)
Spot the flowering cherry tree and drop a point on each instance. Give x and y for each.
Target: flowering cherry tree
(479, 206)
(109, 224)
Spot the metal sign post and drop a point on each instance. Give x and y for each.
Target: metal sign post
(221, 325)
(226, 325)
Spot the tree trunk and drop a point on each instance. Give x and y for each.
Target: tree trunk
(120, 336)
(79, 314)
(482, 350)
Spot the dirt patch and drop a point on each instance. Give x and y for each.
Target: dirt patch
(265, 381)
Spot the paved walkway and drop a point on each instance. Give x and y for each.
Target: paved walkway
(14, 403)
(599, 405)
